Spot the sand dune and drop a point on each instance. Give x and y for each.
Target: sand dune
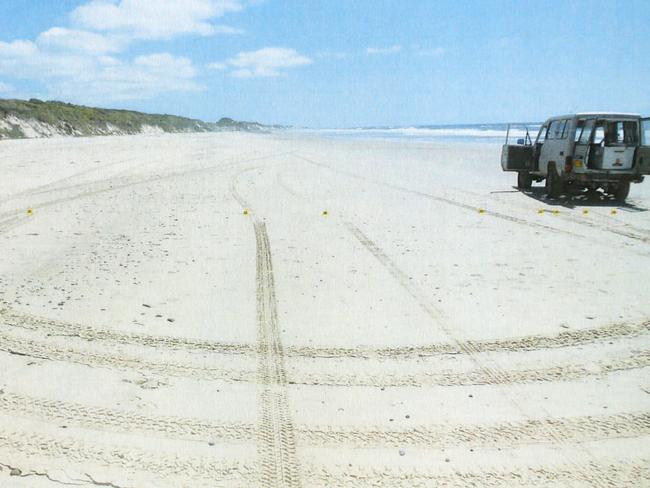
(286, 310)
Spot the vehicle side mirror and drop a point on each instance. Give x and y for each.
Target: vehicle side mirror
(520, 142)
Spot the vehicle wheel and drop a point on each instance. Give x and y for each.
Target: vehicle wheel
(622, 191)
(524, 180)
(553, 183)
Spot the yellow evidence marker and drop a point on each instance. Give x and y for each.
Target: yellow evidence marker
(585, 211)
(30, 212)
(325, 212)
(481, 210)
(540, 211)
(614, 211)
(556, 212)
(245, 211)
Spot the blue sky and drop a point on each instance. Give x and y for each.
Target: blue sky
(331, 63)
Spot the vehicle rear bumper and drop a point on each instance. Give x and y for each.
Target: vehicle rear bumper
(603, 177)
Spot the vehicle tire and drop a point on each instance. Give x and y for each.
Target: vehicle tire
(622, 191)
(524, 180)
(553, 183)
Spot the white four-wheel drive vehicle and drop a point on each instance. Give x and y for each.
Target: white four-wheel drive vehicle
(588, 150)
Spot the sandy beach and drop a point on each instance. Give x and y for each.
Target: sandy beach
(289, 310)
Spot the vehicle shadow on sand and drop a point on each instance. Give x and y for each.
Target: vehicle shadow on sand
(577, 199)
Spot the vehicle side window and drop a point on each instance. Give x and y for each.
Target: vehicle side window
(553, 130)
(579, 126)
(645, 132)
(599, 133)
(630, 133)
(586, 131)
(541, 135)
(565, 129)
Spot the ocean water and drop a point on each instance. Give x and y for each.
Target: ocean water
(466, 133)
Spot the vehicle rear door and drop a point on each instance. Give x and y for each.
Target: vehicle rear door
(619, 145)
(642, 159)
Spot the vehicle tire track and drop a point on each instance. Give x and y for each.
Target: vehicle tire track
(482, 375)
(101, 418)
(487, 372)
(127, 458)
(16, 217)
(276, 434)
(570, 338)
(472, 208)
(503, 434)
(438, 198)
(573, 429)
(580, 337)
(275, 375)
(276, 437)
(51, 327)
(44, 350)
(607, 473)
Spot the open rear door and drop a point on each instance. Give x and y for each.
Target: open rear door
(642, 160)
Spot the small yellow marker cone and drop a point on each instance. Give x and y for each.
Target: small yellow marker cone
(30, 212)
(556, 212)
(245, 211)
(325, 212)
(481, 210)
(585, 211)
(614, 211)
(540, 211)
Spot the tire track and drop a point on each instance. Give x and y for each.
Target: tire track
(573, 429)
(487, 372)
(276, 438)
(395, 272)
(580, 337)
(510, 434)
(438, 198)
(94, 188)
(51, 327)
(482, 375)
(126, 458)
(276, 433)
(273, 377)
(607, 473)
(472, 208)
(100, 418)
(57, 328)
(48, 351)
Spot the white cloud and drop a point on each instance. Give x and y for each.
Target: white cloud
(82, 77)
(155, 19)
(17, 49)
(83, 63)
(384, 50)
(266, 62)
(59, 38)
(332, 55)
(228, 30)
(436, 52)
(5, 88)
(217, 66)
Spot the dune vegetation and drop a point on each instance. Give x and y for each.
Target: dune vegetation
(36, 118)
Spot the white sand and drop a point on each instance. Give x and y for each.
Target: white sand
(383, 314)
